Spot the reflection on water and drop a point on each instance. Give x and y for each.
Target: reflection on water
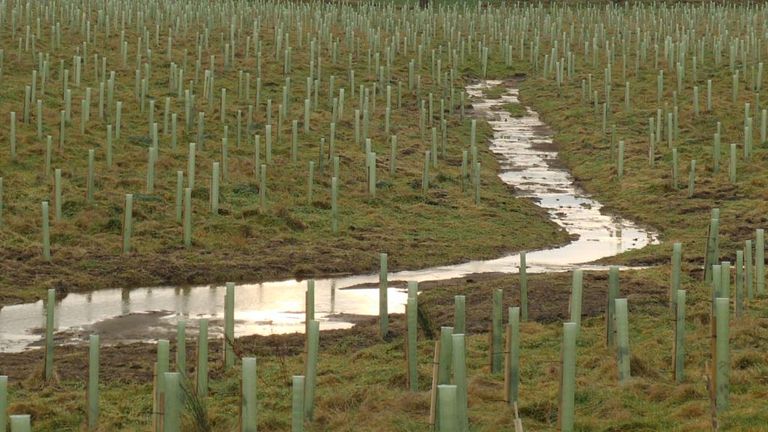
(267, 308)
(523, 147)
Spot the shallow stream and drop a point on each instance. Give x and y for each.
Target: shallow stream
(524, 148)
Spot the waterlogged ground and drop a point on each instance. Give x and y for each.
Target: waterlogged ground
(528, 160)
(361, 383)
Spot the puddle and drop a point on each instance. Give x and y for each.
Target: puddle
(526, 156)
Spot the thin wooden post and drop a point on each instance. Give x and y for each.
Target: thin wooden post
(435, 383)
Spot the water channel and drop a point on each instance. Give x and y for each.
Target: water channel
(523, 146)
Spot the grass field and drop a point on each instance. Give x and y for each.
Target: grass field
(245, 241)
(362, 381)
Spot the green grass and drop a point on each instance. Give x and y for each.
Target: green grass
(291, 237)
(361, 381)
(515, 109)
(361, 384)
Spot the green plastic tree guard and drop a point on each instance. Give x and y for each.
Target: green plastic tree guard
(172, 402)
(383, 285)
(460, 380)
(50, 307)
(411, 350)
(722, 354)
(568, 378)
(622, 338)
(497, 351)
(93, 382)
(201, 386)
(459, 315)
(512, 366)
(446, 408)
(313, 342)
(248, 396)
(229, 325)
(679, 349)
(297, 404)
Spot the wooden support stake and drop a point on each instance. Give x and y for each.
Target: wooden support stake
(435, 380)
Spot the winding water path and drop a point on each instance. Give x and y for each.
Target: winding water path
(525, 152)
